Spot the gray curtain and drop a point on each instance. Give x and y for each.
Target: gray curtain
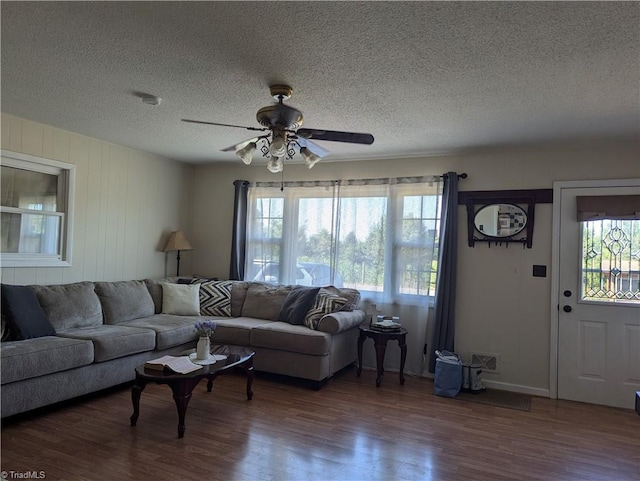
(445, 302)
(239, 239)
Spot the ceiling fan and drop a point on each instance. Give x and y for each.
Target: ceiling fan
(284, 137)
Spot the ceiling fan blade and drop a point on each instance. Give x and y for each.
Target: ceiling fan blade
(224, 125)
(312, 146)
(336, 136)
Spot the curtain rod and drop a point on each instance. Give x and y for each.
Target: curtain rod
(460, 176)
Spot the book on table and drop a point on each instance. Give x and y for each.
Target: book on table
(176, 364)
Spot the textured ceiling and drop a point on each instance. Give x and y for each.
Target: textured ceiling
(422, 77)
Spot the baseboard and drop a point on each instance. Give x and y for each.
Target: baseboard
(505, 386)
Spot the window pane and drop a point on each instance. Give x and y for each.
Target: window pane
(611, 260)
(417, 245)
(28, 189)
(264, 250)
(30, 233)
(314, 242)
(361, 248)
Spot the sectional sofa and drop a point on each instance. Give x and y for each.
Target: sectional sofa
(90, 336)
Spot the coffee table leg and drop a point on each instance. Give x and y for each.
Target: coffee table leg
(136, 391)
(182, 395)
(248, 368)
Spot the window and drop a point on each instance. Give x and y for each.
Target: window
(36, 211)
(378, 236)
(611, 260)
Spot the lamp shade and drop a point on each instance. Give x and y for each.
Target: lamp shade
(177, 242)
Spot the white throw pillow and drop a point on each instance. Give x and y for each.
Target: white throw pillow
(181, 299)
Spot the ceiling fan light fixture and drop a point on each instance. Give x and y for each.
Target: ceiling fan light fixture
(275, 165)
(278, 147)
(310, 159)
(246, 152)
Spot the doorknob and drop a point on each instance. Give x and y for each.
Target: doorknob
(566, 308)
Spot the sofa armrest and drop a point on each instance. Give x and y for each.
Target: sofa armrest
(341, 321)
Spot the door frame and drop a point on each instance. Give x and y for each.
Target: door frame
(558, 186)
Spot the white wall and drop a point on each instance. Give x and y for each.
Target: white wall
(501, 308)
(126, 204)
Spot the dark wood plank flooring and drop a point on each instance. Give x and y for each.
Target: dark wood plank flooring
(349, 430)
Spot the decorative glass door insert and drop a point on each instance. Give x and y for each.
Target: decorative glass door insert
(611, 261)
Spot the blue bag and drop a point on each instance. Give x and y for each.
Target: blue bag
(448, 376)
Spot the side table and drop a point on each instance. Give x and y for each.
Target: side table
(380, 339)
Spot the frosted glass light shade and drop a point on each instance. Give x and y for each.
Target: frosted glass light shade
(310, 159)
(275, 165)
(278, 147)
(246, 152)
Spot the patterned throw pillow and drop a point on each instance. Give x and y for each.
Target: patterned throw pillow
(352, 296)
(215, 297)
(326, 303)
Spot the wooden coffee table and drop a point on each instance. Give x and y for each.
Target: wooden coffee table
(182, 385)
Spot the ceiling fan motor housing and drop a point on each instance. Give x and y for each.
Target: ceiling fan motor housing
(279, 115)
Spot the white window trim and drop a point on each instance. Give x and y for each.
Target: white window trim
(47, 166)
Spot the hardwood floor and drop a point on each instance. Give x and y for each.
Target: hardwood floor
(349, 430)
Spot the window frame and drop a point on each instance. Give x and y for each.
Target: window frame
(66, 193)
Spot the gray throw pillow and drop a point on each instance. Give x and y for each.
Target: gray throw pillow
(297, 303)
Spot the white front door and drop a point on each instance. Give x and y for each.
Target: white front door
(598, 321)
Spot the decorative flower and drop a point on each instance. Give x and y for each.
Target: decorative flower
(205, 328)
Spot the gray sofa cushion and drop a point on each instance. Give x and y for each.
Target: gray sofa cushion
(110, 342)
(238, 295)
(124, 300)
(288, 337)
(264, 301)
(42, 356)
(235, 330)
(155, 291)
(170, 330)
(70, 305)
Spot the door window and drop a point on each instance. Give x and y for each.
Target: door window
(611, 260)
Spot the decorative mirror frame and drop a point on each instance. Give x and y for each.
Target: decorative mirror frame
(526, 199)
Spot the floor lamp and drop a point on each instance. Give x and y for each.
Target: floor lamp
(177, 242)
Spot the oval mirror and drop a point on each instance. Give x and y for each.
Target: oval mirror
(500, 220)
